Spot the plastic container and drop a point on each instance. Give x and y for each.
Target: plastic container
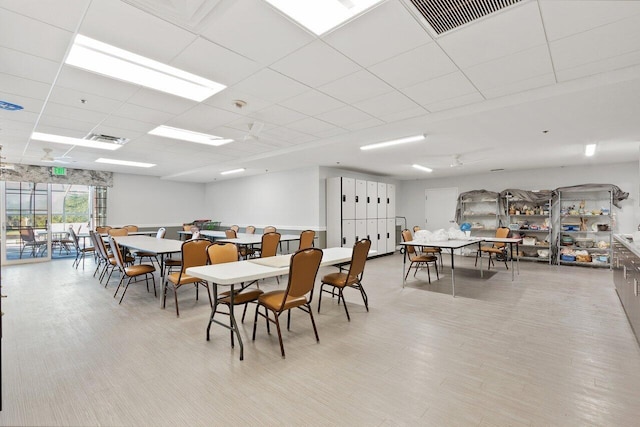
(570, 258)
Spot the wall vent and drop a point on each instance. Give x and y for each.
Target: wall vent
(107, 138)
(445, 15)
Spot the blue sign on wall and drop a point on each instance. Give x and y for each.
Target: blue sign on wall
(4, 105)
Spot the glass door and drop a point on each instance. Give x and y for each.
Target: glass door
(25, 231)
(70, 208)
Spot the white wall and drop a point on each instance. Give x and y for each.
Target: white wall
(149, 201)
(287, 200)
(624, 175)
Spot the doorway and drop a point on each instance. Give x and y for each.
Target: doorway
(440, 208)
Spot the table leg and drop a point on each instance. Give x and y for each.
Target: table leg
(512, 272)
(404, 265)
(453, 279)
(235, 324)
(233, 327)
(480, 252)
(518, 257)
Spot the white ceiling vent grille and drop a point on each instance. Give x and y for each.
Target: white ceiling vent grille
(107, 138)
(445, 15)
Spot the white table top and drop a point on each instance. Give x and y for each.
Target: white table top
(255, 239)
(150, 244)
(245, 271)
(503, 239)
(449, 244)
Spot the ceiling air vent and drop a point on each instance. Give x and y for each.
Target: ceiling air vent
(445, 15)
(107, 138)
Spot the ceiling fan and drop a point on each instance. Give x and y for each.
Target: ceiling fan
(254, 131)
(48, 158)
(455, 161)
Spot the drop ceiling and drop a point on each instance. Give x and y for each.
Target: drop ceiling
(523, 88)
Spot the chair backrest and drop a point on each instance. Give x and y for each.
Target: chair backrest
(187, 227)
(230, 233)
(416, 228)
(118, 232)
(194, 253)
(74, 239)
(195, 232)
(27, 234)
(502, 233)
(98, 243)
(250, 229)
(131, 228)
(103, 230)
(235, 228)
(407, 237)
(115, 248)
(269, 229)
(303, 270)
(161, 232)
(358, 259)
(221, 253)
(269, 245)
(306, 239)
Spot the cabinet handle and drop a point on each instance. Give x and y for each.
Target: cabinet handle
(388, 200)
(344, 198)
(378, 236)
(378, 199)
(356, 199)
(388, 235)
(344, 240)
(368, 199)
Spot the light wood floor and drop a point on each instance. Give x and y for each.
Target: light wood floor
(552, 348)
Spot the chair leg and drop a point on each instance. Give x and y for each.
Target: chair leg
(480, 254)
(125, 289)
(279, 335)
(255, 322)
(164, 294)
(428, 272)
(320, 297)
(435, 264)
(313, 322)
(175, 295)
(340, 295)
(365, 298)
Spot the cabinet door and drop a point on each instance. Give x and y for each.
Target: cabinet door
(391, 201)
(348, 233)
(372, 199)
(382, 200)
(391, 234)
(361, 229)
(348, 198)
(372, 233)
(382, 236)
(361, 199)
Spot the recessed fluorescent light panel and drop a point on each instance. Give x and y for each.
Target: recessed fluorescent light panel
(38, 136)
(590, 150)
(393, 142)
(320, 16)
(423, 168)
(102, 58)
(125, 163)
(187, 135)
(231, 171)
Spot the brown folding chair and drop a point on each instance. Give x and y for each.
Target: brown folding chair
(118, 232)
(194, 254)
(497, 248)
(130, 271)
(418, 261)
(303, 270)
(352, 279)
(80, 251)
(306, 239)
(250, 229)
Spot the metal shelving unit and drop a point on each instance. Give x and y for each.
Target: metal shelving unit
(533, 221)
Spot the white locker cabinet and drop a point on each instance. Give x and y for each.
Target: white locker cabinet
(348, 233)
(372, 233)
(372, 199)
(361, 229)
(391, 201)
(391, 234)
(382, 200)
(361, 199)
(348, 198)
(353, 213)
(382, 236)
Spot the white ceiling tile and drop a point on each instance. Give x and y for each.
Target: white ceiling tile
(64, 126)
(289, 135)
(459, 101)
(600, 66)
(329, 133)
(244, 124)
(598, 44)
(311, 126)
(520, 86)
(364, 124)
(21, 118)
(356, 87)
(228, 97)
(344, 116)
(63, 14)
(214, 62)
(450, 86)
(384, 105)
(514, 29)
(72, 98)
(585, 15)
(253, 29)
(27, 66)
(315, 64)
(76, 113)
(278, 115)
(24, 87)
(85, 82)
(403, 115)
(381, 33)
(161, 101)
(203, 118)
(122, 25)
(312, 103)
(124, 126)
(509, 69)
(423, 63)
(271, 86)
(33, 37)
(33, 105)
(143, 114)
